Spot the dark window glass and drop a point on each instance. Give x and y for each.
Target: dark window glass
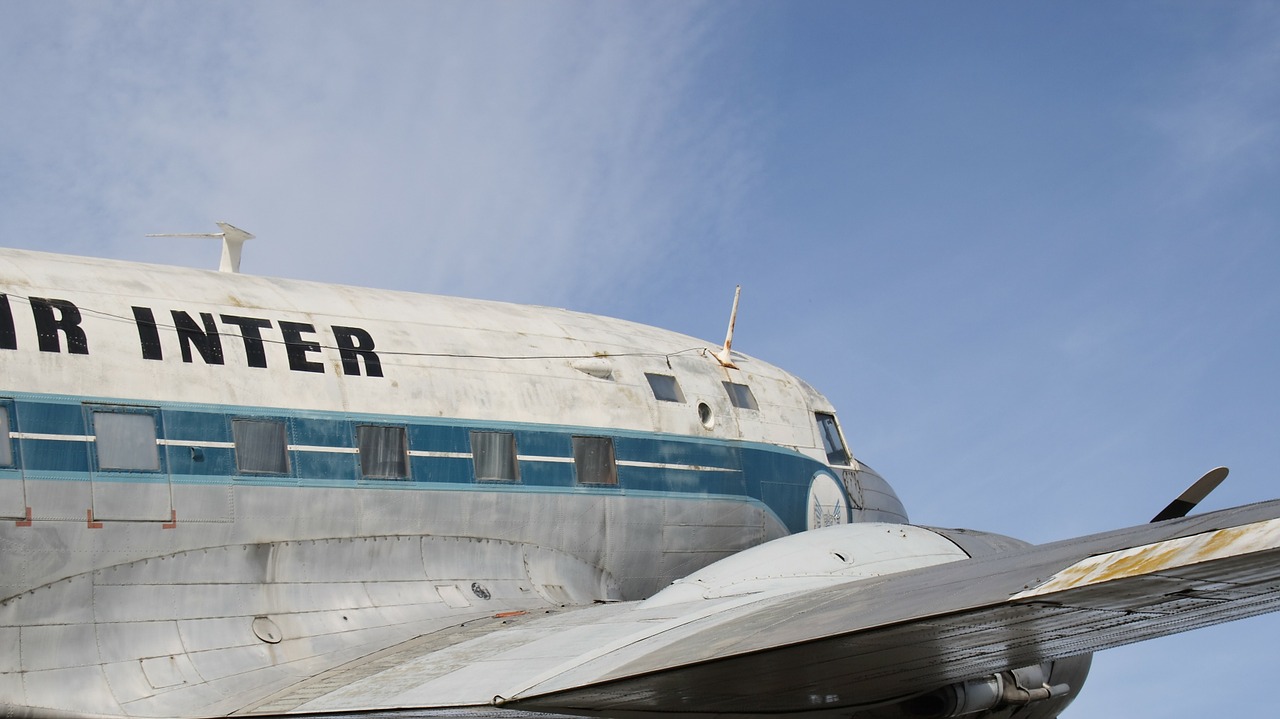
(665, 387)
(6, 445)
(831, 441)
(594, 461)
(383, 452)
(740, 395)
(126, 441)
(260, 446)
(494, 456)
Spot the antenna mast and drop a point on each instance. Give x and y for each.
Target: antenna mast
(722, 354)
(233, 238)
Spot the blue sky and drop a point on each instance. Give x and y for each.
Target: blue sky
(1028, 249)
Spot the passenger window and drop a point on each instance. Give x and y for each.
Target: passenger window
(384, 452)
(260, 446)
(594, 461)
(831, 441)
(126, 441)
(493, 454)
(740, 396)
(6, 444)
(664, 387)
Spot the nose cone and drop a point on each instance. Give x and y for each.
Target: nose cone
(873, 498)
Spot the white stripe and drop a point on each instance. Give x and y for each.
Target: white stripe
(54, 437)
(539, 458)
(195, 443)
(445, 455)
(355, 450)
(663, 465)
(315, 448)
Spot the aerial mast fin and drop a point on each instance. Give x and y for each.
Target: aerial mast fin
(233, 238)
(722, 354)
(1187, 501)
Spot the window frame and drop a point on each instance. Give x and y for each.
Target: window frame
(842, 454)
(581, 457)
(508, 446)
(8, 452)
(238, 451)
(741, 396)
(106, 462)
(397, 430)
(655, 379)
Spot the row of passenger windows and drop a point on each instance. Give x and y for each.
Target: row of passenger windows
(126, 441)
(667, 389)
(262, 448)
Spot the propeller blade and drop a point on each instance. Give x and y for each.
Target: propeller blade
(1190, 498)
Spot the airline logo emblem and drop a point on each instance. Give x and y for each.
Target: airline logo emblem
(827, 503)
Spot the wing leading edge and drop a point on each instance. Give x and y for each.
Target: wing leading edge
(889, 638)
(849, 644)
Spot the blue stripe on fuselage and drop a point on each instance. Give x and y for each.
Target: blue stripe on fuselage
(648, 463)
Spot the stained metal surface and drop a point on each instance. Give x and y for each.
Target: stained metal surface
(823, 557)
(804, 647)
(214, 630)
(445, 355)
(883, 638)
(1162, 556)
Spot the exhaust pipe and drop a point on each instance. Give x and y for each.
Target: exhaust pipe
(1016, 688)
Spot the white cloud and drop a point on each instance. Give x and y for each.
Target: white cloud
(530, 152)
(1222, 117)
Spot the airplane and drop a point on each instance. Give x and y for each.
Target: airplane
(230, 495)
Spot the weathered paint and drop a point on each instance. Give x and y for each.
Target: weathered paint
(1161, 556)
(143, 587)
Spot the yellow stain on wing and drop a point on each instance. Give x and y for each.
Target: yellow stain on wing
(1163, 555)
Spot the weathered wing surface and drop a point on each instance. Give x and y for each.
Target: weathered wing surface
(845, 645)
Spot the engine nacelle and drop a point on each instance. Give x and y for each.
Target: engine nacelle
(1036, 692)
(822, 557)
(819, 557)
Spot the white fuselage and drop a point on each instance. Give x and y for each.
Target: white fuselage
(155, 412)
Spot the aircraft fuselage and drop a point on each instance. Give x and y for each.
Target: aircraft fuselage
(213, 423)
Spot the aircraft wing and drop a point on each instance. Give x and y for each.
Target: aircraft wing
(841, 646)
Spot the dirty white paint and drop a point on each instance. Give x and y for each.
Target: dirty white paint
(1161, 556)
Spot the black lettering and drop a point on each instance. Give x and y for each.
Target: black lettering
(298, 348)
(251, 332)
(8, 337)
(67, 322)
(148, 334)
(355, 344)
(206, 342)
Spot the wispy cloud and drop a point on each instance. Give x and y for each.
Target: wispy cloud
(534, 153)
(1221, 118)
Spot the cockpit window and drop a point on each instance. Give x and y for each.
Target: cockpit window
(665, 387)
(831, 440)
(740, 396)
